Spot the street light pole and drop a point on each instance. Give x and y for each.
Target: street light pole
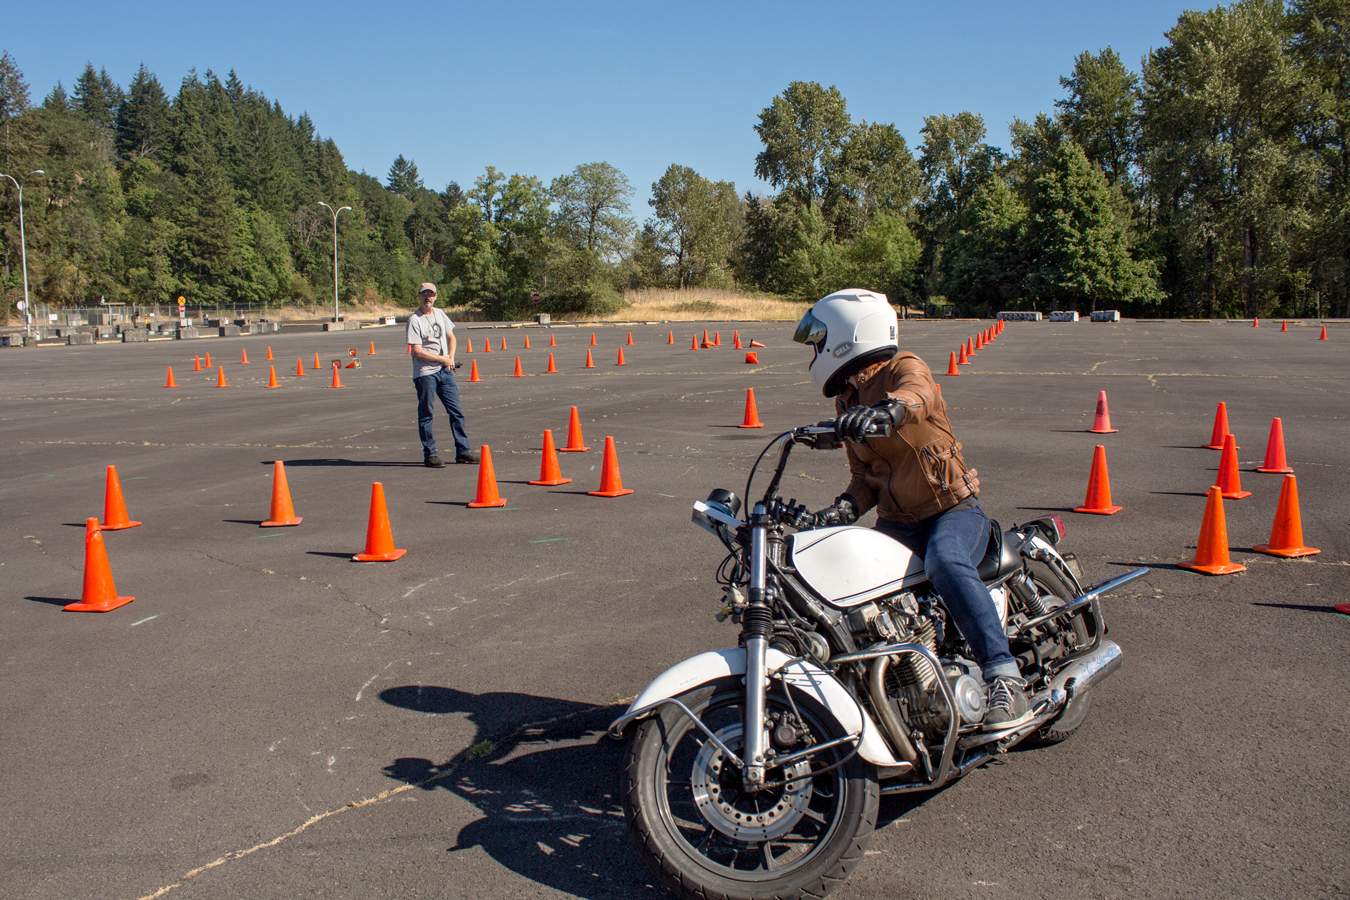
(23, 251)
(335, 267)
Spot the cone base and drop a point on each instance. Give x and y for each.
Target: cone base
(1287, 553)
(98, 605)
(1107, 431)
(1285, 471)
(379, 557)
(1216, 569)
(278, 523)
(1099, 511)
(1215, 447)
(493, 504)
(572, 449)
(756, 425)
(553, 483)
(618, 493)
(1343, 608)
(117, 526)
(1237, 495)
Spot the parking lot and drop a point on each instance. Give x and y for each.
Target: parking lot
(269, 719)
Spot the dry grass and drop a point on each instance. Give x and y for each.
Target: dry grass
(704, 304)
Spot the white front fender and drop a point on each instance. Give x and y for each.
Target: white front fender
(811, 679)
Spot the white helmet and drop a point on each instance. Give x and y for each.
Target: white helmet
(850, 330)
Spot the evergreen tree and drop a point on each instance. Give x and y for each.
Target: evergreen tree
(97, 97)
(403, 178)
(142, 121)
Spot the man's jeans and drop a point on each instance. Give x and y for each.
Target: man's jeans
(429, 387)
(952, 545)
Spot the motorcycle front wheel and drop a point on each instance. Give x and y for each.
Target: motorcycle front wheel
(705, 836)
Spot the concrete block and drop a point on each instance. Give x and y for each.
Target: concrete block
(334, 326)
(134, 335)
(542, 319)
(186, 333)
(229, 330)
(85, 338)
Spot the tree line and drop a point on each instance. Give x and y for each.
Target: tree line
(1212, 181)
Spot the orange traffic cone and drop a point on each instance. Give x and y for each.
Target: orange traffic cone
(197, 362)
(552, 369)
(1286, 535)
(736, 342)
(487, 482)
(1098, 500)
(694, 345)
(1275, 461)
(1102, 421)
(751, 413)
(621, 362)
(316, 362)
(171, 382)
(473, 372)
(1220, 428)
(527, 342)
(519, 373)
(979, 341)
(114, 507)
(717, 339)
(379, 537)
(207, 364)
(611, 485)
(706, 342)
(951, 365)
(630, 338)
(468, 345)
(590, 363)
(283, 513)
(1230, 483)
(756, 344)
(575, 442)
(593, 339)
(220, 377)
(1256, 323)
(269, 354)
(487, 345)
(552, 340)
(1211, 551)
(272, 377)
(549, 473)
(970, 348)
(1285, 325)
(752, 358)
(243, 357)
(99, 593)
(503, 344)
(372, 348)
(671, 338)
(337, 381)
(299, 368)
(962, 360)
(1324, 333)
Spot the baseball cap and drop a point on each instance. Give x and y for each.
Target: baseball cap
(427, 287)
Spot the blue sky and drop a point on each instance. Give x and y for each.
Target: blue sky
(539, 88)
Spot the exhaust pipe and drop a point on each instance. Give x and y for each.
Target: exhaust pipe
(1091, 669)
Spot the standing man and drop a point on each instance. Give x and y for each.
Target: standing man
(431, 335)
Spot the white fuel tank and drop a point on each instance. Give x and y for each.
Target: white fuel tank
(851, 565)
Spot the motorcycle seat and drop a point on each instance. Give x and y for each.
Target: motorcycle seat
(1000, 557)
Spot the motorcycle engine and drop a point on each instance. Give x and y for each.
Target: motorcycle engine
(911, 683)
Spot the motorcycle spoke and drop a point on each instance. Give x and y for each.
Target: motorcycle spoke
(767, 861)
(817, 817)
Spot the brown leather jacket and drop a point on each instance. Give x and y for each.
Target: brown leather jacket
(917, 471)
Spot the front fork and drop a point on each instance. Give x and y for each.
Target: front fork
(756, 627)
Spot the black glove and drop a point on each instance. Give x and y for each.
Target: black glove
(843, 512)
(861, 421)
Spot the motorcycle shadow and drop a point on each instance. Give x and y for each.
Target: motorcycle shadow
(547, 790)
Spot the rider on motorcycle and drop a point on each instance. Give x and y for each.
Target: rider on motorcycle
(906, 462)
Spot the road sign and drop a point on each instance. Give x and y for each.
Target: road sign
(534, 297)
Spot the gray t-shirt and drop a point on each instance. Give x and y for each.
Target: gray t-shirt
(432, 333)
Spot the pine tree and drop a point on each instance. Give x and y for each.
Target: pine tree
(142, 121)
(403, 178)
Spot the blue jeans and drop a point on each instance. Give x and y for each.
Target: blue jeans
(429, 387)
(952, 544)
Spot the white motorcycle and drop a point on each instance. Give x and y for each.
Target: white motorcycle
(756, 771)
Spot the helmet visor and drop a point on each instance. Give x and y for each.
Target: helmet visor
(810, 330)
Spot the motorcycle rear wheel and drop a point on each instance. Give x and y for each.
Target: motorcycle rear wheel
(705, 838)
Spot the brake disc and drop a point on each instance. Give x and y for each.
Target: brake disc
(764, 816)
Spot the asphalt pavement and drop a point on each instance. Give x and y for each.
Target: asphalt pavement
(268, 719)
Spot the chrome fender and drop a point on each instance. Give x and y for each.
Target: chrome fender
(810, 679)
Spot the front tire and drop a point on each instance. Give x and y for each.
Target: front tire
(705, 837)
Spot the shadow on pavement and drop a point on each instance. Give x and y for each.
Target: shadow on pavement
(547, 790)
(1298, 606)
(342, 462)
